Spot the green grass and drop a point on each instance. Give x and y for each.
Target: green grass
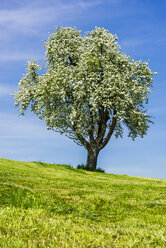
(44, 205)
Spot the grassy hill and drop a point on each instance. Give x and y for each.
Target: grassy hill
(45, 205)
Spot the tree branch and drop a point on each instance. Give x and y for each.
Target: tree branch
(110, 132)
(80, 137)
(102, 125)
(91, 131)
(71, 61)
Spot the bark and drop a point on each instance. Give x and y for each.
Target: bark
(95, 146)
(92, 158)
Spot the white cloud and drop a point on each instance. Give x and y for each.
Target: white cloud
(30, 17)
(26, 18)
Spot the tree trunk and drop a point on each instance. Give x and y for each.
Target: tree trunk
(92, 158)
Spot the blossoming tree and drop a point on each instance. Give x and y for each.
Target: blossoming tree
(90, 89)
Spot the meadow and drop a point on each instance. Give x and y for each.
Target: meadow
(57, 206)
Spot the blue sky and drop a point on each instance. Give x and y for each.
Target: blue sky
(140, 26)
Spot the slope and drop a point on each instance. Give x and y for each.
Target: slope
(46, 205)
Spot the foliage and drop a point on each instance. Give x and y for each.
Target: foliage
(45, 205)
(90, 89)
(84, 167)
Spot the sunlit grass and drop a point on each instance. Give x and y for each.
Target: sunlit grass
(44, 205)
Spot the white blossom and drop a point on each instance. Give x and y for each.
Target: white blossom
(89, 87)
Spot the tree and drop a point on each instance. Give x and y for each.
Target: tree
(90, 89)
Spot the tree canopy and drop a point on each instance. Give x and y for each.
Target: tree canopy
(90, 89)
